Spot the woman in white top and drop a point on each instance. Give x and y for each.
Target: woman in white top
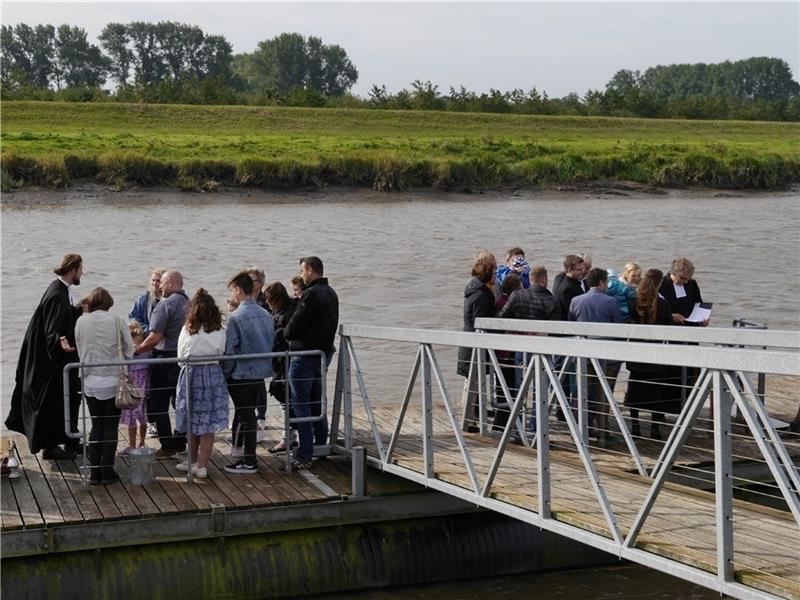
(98, 335)
(202, 335)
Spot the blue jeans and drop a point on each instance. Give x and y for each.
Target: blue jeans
(305, 395)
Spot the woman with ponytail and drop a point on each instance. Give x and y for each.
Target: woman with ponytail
(202, 335)
(651, 387)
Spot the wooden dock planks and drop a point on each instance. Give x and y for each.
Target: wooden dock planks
(681, 525)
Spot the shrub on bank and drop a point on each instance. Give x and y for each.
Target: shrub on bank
(81, 167)
(122, 168)
(46, 171)
(205, 175)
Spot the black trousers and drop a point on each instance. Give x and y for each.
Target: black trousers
(244, 393)
(163, 380)
(74, 409)
(103, 437)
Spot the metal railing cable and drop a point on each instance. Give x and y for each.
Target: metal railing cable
(725, 362)
(289, 420)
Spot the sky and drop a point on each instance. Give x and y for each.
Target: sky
(556, 47)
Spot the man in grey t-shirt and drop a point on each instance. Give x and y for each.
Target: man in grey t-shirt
(165, 328)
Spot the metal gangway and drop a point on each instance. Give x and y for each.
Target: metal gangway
(548, 472)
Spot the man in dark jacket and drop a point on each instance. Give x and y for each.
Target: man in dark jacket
(534, 303)
(569, 286)
(312, 327)
(37, 403)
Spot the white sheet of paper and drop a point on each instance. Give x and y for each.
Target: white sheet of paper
(679, 291)
(701, 312)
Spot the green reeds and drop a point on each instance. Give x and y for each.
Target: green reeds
(389, 173)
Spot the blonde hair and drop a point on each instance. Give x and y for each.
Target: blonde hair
(136, 330)
(158, 272)
(629, 270)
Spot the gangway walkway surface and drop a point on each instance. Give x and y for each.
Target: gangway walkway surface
(618, 498)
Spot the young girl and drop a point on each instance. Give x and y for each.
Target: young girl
(134, 418)
(202, 335)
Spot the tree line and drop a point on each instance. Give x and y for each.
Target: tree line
(169, 62)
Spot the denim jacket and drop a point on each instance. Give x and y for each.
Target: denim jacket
(250, 331)
(142, 310)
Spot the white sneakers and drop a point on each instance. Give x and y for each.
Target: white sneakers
(199, 472)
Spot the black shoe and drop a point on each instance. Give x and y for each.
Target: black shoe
(109, 479)
(58, 454)
(241, 468)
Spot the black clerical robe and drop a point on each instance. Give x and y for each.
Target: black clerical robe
(37, 404)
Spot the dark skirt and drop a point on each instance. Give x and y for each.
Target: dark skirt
(654, 387)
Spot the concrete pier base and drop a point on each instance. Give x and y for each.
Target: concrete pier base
(298, 561)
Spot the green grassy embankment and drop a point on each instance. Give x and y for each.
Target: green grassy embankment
(201, 147)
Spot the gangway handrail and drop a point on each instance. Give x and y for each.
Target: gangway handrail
(779, 362)
(722, 385)
(729, 336)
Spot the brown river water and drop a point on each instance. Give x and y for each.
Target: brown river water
(403, 260)
(395, 259)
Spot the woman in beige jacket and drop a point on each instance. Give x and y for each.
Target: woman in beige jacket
(98, 335)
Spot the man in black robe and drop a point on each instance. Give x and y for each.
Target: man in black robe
(37, 404)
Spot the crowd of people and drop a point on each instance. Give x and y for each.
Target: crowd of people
(583, 293)
(165, 323)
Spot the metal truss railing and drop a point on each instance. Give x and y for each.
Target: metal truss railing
(723, 376)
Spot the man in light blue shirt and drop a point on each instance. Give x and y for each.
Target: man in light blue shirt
(250, 331)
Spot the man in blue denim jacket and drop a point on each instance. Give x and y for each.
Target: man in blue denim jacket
(250, 331)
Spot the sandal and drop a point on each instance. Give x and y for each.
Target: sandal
(280, 447)
(302, 465)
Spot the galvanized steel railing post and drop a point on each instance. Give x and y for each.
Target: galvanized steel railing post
(359, 472)
(482, 392)
(723, 480)
(404, 406)
(427, 417)
(85, 445)
(451, 415)
(542, 437)
(347, 391)
(189, 461)
(515, 409)
(778, 460)
(583, 399)
(287, 414)
(336, 410)
(673, 446)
